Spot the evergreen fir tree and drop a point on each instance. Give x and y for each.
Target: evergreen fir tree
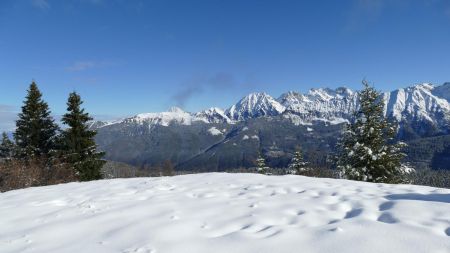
(78, 145)
(367, 150)
(35, 129)
(297, 165)
(261, 165)
(6, 147)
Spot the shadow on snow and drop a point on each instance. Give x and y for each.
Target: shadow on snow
(434, 197)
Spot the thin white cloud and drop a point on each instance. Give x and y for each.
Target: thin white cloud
(8, 116)
(373, 6)
(95, 1)
(87, 65)
(363, 12)
(41, 4)
(198, 84)
(82, 65)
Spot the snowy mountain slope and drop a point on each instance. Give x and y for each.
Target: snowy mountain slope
(176, 115)
(255, 105)
(442, 91)
(320, 104)
(417, 102)
(213, 115)
(219, 212)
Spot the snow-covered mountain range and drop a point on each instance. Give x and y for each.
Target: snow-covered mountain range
(422, 102)
(217, 139)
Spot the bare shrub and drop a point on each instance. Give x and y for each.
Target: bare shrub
(17, 174)
(321, 172)
(167, 168)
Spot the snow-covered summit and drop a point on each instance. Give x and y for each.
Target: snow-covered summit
(174, 115)
(255, 105)
(442, 91)
(417, 102)
(176, 109)
(213, 115)
(320, 104)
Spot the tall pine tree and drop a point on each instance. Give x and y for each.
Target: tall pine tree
(78, 145)
(367, 150)
(35, 129)
(6, 147)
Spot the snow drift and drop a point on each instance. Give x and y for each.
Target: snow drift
(219, 212)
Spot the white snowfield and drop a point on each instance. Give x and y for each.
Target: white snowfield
(229, 213)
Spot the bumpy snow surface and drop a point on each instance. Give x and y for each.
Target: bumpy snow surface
(218, 212)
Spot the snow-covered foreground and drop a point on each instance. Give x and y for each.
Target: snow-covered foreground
(228, 213)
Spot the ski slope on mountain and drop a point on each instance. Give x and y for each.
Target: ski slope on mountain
(218, 212)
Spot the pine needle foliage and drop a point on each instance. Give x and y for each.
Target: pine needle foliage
(78, 144)
(7, 147)
(367, 150)
(35, 129)
(297, 164)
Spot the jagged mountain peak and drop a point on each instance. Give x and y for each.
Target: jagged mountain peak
(417, 102)
(443, 91)
(255, 104)
(321, 93)
(214, 110)
(344, 91)
(425, 86)
(327, 93)
(174, 114)
(324, 94)
(322, 104)
(213, 115)
(176, 109)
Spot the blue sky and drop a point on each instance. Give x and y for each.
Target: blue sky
(131, 56)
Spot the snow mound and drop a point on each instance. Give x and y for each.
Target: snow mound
(214, 131)
(218, 212)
